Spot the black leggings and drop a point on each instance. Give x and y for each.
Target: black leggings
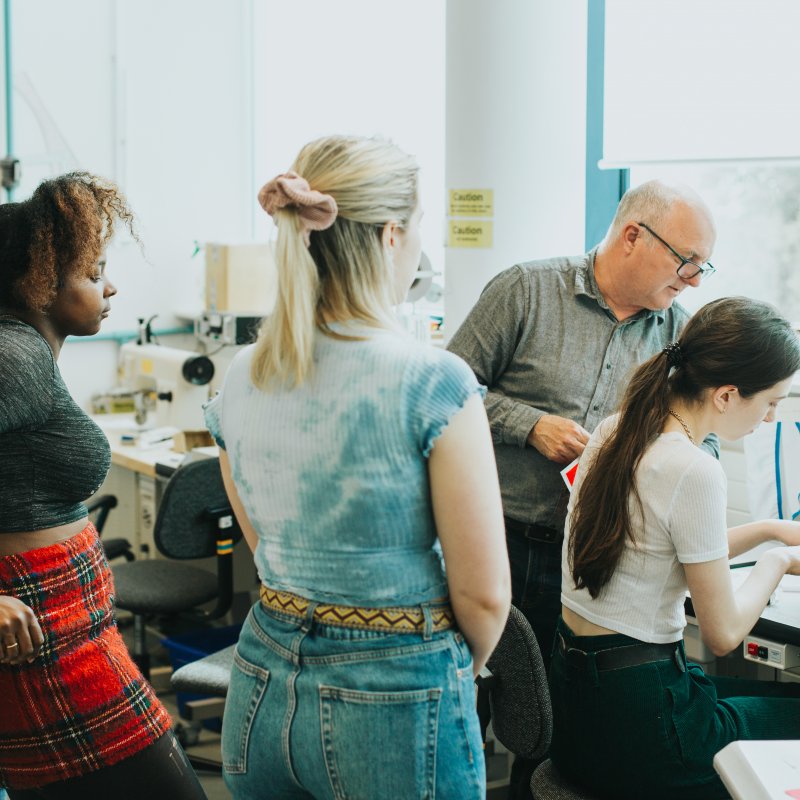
(161, 770)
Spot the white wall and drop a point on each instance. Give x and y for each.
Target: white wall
(516, 124)
(353, 67)
(192, 104)
(154, 95)
(711, 80)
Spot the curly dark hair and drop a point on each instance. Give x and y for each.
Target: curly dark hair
(61, 230)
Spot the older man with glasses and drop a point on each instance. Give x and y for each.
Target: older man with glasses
(554, 342)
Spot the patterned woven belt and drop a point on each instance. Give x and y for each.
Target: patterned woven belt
(399, 619)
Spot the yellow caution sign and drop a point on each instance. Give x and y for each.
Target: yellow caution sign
(470, 233)
(471, 203)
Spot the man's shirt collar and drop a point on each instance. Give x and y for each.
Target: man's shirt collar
(586, 284)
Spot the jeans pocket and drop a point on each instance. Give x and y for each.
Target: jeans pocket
(464, 654)
(380, 744)
(692, 718)
(247, 687)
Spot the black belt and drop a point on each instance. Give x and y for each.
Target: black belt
(538, 533)
(633, 655)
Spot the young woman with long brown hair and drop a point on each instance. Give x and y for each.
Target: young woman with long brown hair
(647, 520)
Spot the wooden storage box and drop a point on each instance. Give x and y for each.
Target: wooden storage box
(240, 277)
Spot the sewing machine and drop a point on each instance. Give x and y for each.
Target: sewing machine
(169, 385)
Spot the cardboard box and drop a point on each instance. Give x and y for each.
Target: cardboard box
(241, 277)
(185, 441)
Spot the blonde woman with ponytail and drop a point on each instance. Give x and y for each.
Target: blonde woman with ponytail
(360, 464)
(646, 521)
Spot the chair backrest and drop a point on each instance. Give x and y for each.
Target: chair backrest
(522, 717)
(188, 518)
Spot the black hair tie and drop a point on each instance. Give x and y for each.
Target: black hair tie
(675, 356)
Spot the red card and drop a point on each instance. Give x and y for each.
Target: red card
(569, 472)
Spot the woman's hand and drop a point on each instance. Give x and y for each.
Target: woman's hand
(21, 637)
(792, 556)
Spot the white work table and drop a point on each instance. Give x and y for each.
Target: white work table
(760, 770)
(150, 460)
(137, 478)
(779, 621)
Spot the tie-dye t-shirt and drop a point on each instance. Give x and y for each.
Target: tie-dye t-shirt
(333, 475)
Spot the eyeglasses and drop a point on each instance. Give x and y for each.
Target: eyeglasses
(684, 271)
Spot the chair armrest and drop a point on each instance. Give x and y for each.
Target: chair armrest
(102, 505)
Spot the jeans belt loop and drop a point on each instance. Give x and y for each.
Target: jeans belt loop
(572, 655)
(680, 658)
(427, 633)
(580, 659)
(308, 620)
(539, 533)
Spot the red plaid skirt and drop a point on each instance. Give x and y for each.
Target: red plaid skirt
(82, 704)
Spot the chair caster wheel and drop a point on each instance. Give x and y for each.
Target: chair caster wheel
(187, 735)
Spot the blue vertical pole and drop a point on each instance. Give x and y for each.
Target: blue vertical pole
(604, 187)
(9, 99)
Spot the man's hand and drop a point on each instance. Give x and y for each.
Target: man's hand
(558, 439)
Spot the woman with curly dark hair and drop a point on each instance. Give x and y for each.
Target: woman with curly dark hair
(77, 719)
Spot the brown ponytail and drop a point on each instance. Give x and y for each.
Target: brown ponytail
(603, 503)
(734, 340)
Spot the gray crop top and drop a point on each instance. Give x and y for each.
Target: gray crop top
(52, 456)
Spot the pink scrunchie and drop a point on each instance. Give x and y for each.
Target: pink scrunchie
(317, 211)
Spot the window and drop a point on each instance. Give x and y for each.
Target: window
(756, 207)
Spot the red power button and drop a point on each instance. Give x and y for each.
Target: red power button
(752, 649)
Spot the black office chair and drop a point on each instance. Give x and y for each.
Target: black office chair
(116, 547)
(208, 677)
(194, 520)
(513, 692)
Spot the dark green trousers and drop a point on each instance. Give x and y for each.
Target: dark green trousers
(652, 731)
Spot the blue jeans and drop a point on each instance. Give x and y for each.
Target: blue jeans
(319, 711)
(536, 586)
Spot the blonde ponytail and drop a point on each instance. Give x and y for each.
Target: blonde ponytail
(342, 272)
(284, 351)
